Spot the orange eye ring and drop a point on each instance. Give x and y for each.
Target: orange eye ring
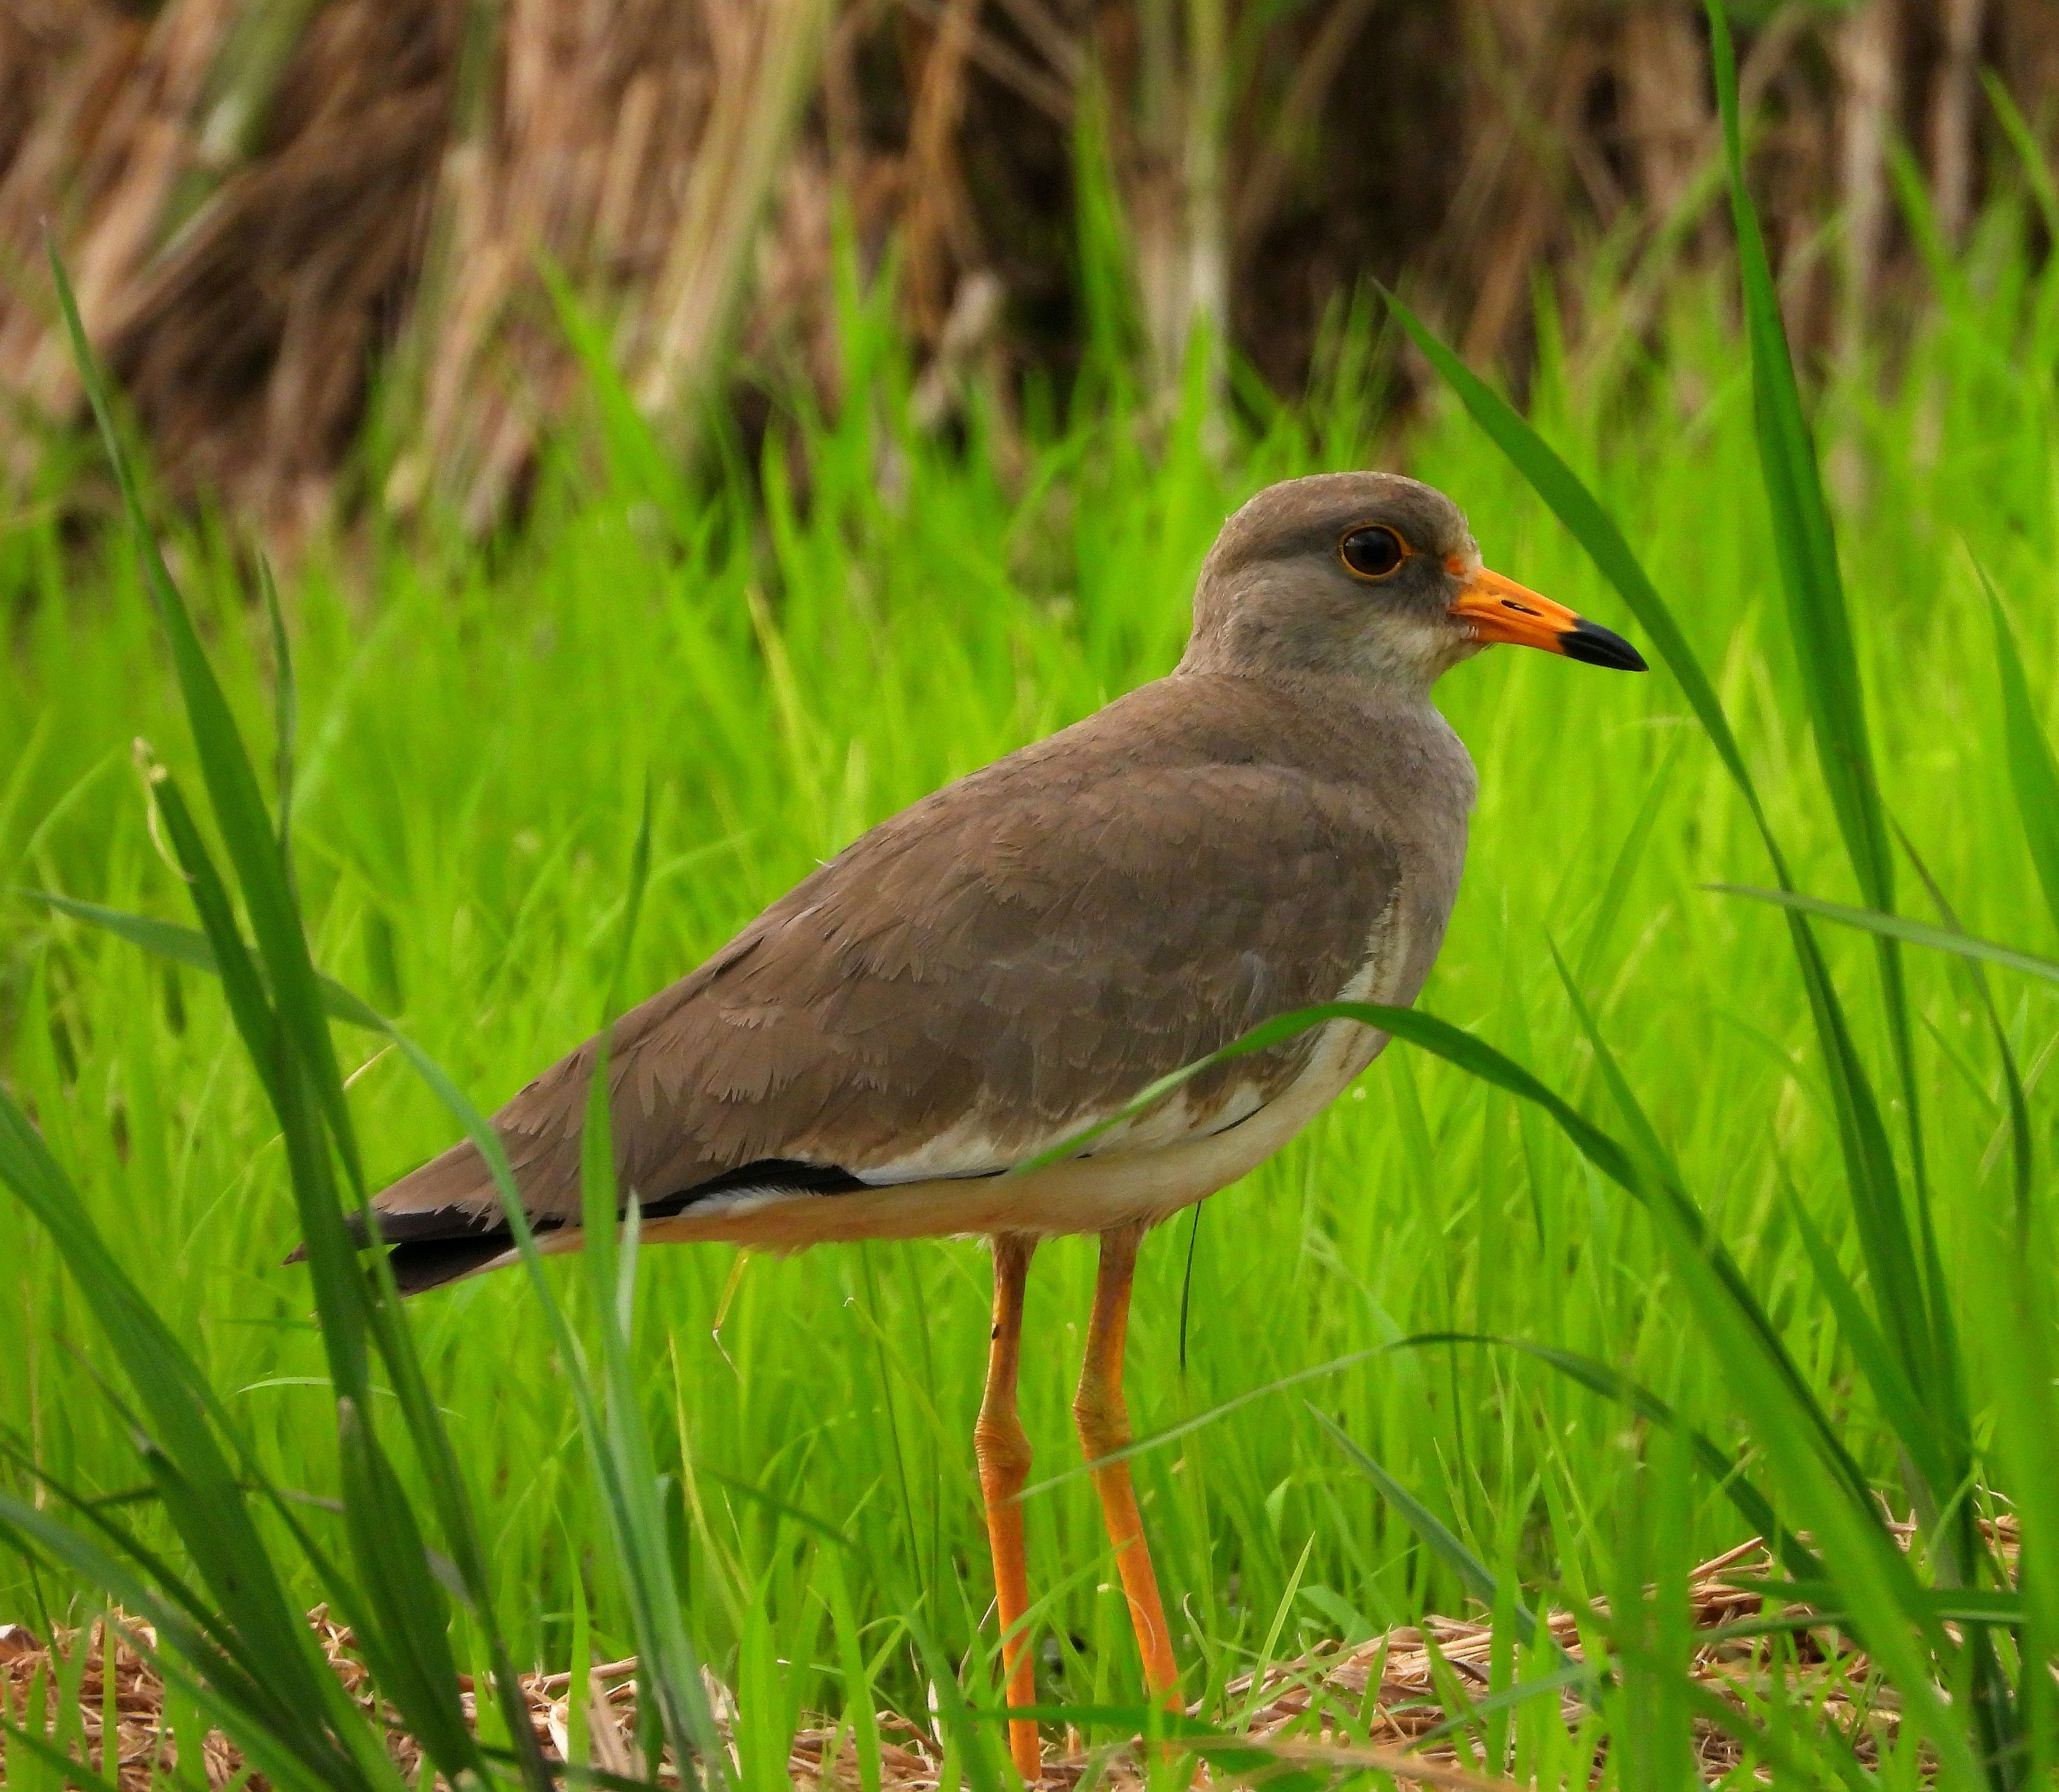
(1373, 551)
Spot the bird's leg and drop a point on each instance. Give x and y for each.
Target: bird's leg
(1003, 1453)
(1104, 1425)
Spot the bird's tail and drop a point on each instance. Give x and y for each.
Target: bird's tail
(445, 1222)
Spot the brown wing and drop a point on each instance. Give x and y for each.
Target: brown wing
(990, 970)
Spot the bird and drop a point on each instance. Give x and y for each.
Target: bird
(1278, 821)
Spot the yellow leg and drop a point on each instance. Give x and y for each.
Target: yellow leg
(1104, 1425)
(1003, 1453)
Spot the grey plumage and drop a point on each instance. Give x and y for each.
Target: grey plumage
(1280, 820)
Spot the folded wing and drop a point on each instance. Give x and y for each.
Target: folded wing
(988, 973)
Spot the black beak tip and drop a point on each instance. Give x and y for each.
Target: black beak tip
(1593, 645)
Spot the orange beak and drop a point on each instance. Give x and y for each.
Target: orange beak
(1498, 609)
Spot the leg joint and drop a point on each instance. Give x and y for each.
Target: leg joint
(1001, 1444)
(1103, 1419)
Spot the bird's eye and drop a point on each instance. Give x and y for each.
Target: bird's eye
(1373, 551)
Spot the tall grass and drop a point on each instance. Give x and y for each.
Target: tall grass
(1835, 1278)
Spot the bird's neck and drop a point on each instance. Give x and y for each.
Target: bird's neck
(1373, 681)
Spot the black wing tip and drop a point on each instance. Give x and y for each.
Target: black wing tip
(419, 1264)
(440, 1244)
(425, 1249)
(430, 1263)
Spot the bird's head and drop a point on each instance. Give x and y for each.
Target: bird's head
(1370, 576)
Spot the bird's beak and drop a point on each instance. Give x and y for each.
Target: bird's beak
(1498, 609)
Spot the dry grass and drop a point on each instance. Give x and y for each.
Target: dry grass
(1402, 1688)
(241, 280)
(263, 201)
(635, 146)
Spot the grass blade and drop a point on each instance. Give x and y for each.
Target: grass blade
(282, 1020)
(1881, 1368)
(1868, 1160)
(188, 947)
(1900, 927)
(1472, 1573)
(2028, 1418)
(1725, 1471)
(73, 1772)
(286, 708)
(258, 1705)
(2033, 773)
(1616, 891)
(1803, 541)
(1820, 626)
(182, 1411)
(231, 786)
(1726, 1296)
(672, 1672)
(407, 1640)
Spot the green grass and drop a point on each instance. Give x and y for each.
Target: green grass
(787, 660)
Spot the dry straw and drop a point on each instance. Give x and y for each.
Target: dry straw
(268, 202)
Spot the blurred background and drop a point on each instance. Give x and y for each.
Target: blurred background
(328, 245)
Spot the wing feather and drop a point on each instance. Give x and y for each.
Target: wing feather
(1002, 964)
